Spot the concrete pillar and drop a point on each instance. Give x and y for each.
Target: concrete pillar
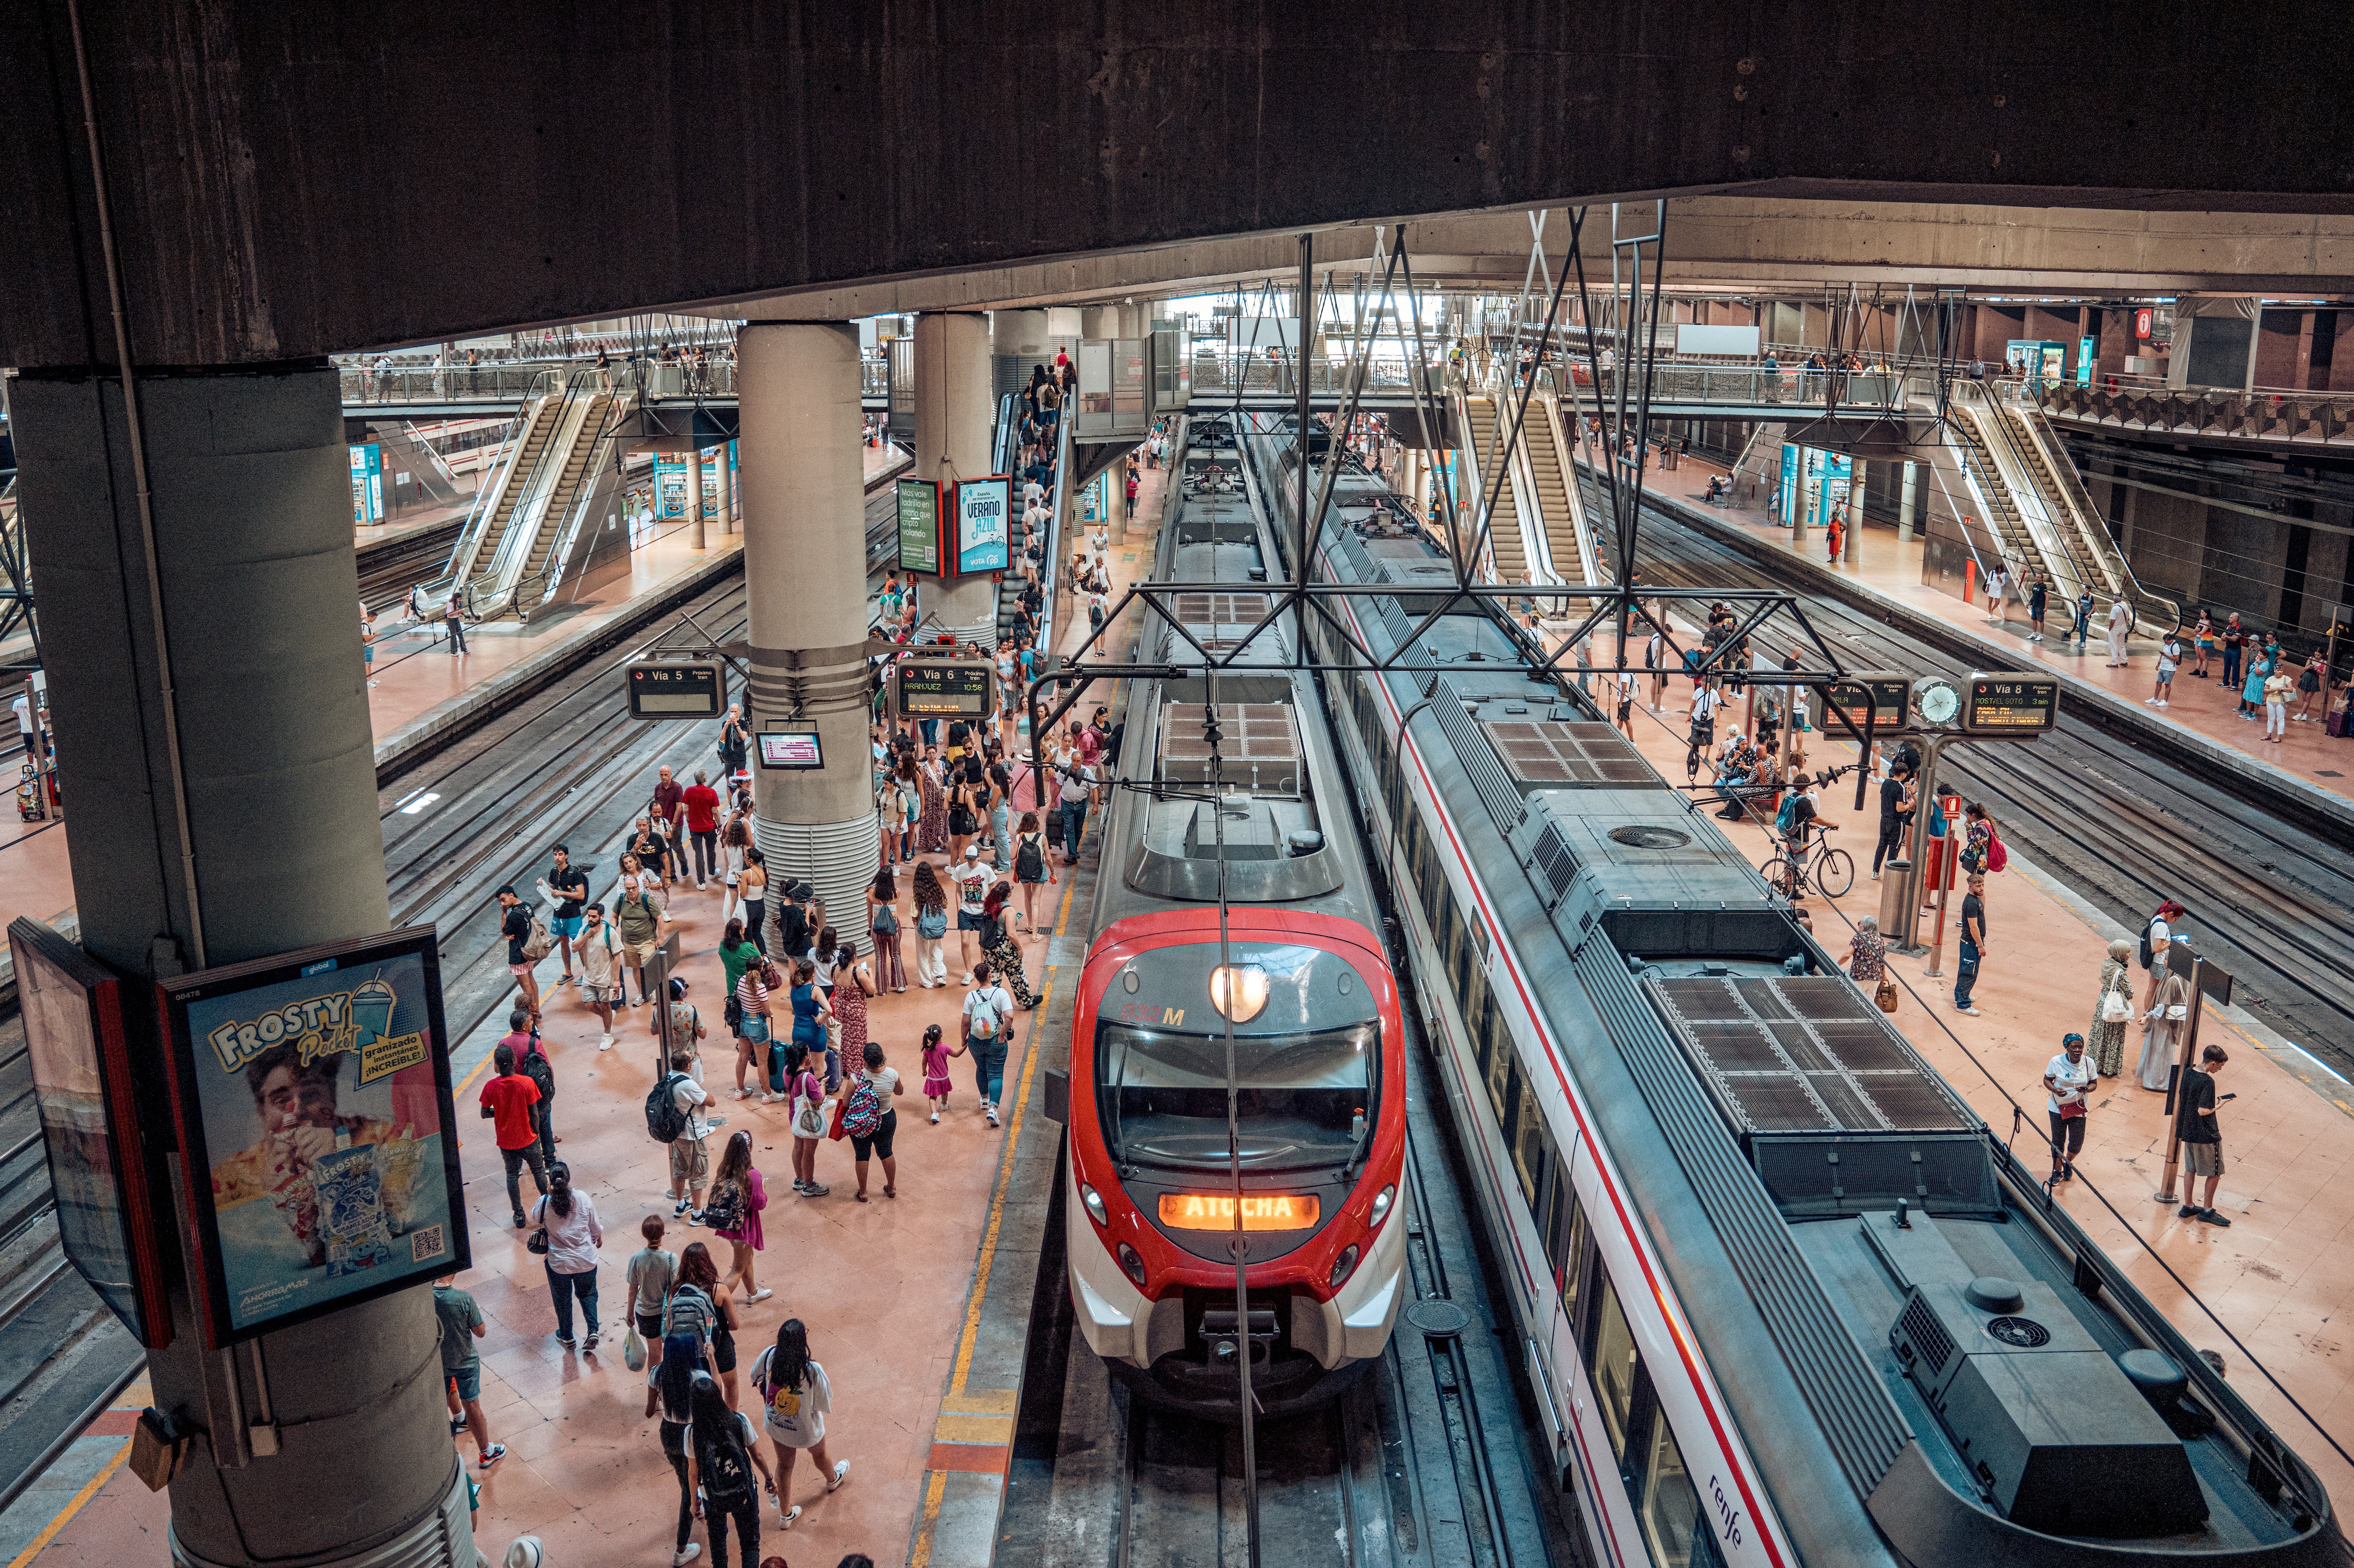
(805, 578)
(1017, 342)
(726, 476)
(694, 500)
(1905, 503)
(250, 479)
(1849, 550)
(952, 419)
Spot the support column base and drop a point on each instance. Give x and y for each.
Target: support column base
(838, 859)
(443, 1538)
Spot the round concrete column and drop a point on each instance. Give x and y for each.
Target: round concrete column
(1017, 341)
(726, 477)
(694, 500)
(805, 498)
(952, 422)
(249, 479)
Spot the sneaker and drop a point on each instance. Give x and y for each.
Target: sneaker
(841, 1467)
(815, 1190)
(457, 1426)
(992, 1115)
(491, 1456)
(695, 1218)
(678, 1208)
(743, 1094)
(519, 1221)
(2151, 702)
(606, 1044)
(759, 1294)
(1972, 1012)
(935, 1119)
(590, 1343)
(2162, 702)
(698, 888)
(797, 1183)
(785, 1520)
(2187, 1210)
(686, 1554)
(568, 1344)
(965, 978)
(2206, 1217)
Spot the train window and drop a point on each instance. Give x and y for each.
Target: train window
(1478, 1011)
(1617, 1365)
(1671, 1507)
(1529, 1144)
(1503, 1090)
(1565, 1238)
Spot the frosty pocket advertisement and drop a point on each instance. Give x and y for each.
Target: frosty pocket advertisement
(314, 1088)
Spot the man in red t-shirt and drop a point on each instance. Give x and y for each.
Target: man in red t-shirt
(507, 1100)
(702, 803)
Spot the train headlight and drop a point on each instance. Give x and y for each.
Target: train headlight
(1344, 1265)
(1094, 1200)
(1130, 1263)
(1239, 991)
(1382, 1202)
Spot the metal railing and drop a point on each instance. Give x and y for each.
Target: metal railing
(654, 380)
(2320, 418)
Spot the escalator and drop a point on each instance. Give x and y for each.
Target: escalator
(1569, 541)
(1507, 549)
(1999, 503)
(510, 558)
(2100, 563)
(478, 545)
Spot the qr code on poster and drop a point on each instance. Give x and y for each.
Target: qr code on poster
(425, 1243)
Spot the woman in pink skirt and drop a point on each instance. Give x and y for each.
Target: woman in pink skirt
(738, 1194)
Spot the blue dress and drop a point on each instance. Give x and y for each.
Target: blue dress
(807, 1031)
(2253, 690)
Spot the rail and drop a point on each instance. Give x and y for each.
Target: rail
(655, 380)
(2304, 418)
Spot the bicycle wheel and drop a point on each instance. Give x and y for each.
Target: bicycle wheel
(1834, 873)
(1780, 875)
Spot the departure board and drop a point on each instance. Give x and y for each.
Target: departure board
(1891, 695)
(672, 689)
(943, 688)
(2011, 705)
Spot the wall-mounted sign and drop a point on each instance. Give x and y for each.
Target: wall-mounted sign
(919, 525)
(2010, 704)
(314, 1089)
(2142, 321)
(985, 519)
(943, 688)
(105, 1168)
(675, 689)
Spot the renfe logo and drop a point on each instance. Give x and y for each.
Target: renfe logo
(1152, 1012)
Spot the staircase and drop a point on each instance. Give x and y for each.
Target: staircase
(1567, 540)
(1506, 547)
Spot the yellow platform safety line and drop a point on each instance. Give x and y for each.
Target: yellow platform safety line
(958, 1398)
(90, 1490)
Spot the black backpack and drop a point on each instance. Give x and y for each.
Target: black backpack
(1029, 862)
(539, 1070)
(2147, 957)
(727, 1467)
(664, 1121)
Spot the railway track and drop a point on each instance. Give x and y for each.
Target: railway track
(387, 570)
(2270, 896)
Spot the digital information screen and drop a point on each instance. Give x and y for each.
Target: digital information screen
(919, 525)
(1891, 695)
(669, 689)
(790, 748)
(2011, 705)
(943, 688)
(313, 1095)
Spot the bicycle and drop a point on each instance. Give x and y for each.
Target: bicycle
(1833, 868)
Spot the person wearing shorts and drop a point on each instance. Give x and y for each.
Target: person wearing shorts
(638, 922)
(2169, 655)
(886, 1083)
(2202, 1139)
(568, 887)
(514, 924)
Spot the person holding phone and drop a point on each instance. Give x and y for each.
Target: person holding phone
(2203, 1138)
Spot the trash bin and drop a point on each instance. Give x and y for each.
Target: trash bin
(1893, 928)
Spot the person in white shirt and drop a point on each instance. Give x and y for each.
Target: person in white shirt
(2170, 658)
(988, 1021)
(1994, 594)
(2066, 1079)
(972, 880)
(2161, 938)
(2120, 624)
(690, 1157)
(573, 1237)
(797, 1398)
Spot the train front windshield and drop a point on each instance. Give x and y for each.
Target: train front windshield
(1305, 1099)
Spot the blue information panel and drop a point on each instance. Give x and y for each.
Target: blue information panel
(314, 1088)
(984, 515)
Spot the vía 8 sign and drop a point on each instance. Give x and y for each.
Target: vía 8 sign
(2011, 705)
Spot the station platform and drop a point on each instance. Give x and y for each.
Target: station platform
(2204, 709)
(2281, 1275)
(917, 1306)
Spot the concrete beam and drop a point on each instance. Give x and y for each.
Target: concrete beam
(744, 150)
